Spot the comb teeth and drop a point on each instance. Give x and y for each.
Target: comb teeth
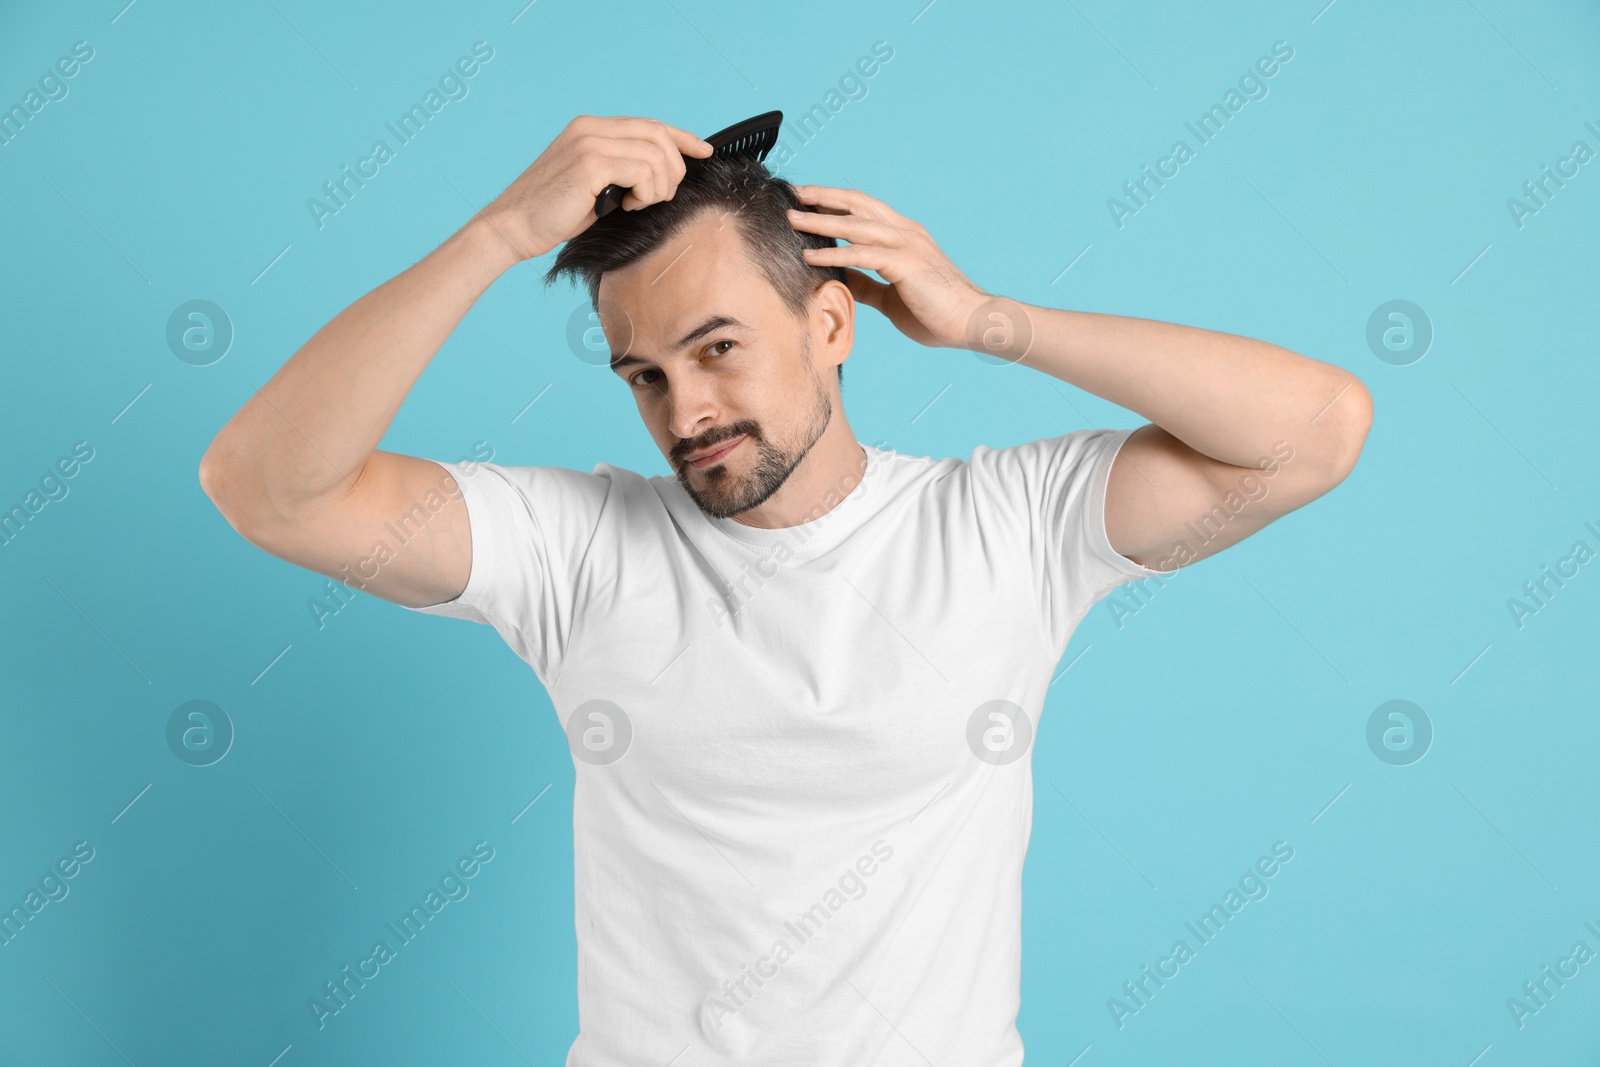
(754, 136)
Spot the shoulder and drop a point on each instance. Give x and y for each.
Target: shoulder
(552, 498)
(1058, 461)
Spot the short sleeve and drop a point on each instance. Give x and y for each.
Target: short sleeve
(531, 530)
(1052, 494)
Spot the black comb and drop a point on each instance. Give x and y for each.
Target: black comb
(752, 137)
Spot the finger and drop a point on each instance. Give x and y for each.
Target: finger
(870, 257)
(655, 182)
(853, 201)
(852, 228)
(671, 156)
(688, 144)
(682, 141)
(866, 290)
(666, 167)
(897, 232)
(632, 169)
(807, 195)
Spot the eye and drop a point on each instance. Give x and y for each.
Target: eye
(710, 351)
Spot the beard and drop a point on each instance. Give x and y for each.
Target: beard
(726, 493)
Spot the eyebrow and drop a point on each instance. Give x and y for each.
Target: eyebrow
(710, 325)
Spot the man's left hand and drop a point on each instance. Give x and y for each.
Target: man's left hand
(923, 294)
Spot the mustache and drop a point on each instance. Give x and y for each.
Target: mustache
(686, 449)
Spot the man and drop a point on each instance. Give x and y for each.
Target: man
(799, 679)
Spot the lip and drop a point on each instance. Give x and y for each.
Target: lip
(707, 460)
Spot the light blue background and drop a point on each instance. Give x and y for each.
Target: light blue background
(1224, 716)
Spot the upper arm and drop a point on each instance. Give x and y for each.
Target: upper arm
(1168, 505)
(401, 532)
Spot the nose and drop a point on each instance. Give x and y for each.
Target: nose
(692, 406)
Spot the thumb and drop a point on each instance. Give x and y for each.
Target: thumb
(866, 290)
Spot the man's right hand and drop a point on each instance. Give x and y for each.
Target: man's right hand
(553, 200)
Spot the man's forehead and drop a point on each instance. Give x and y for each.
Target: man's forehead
(697, 258)
(674, 304)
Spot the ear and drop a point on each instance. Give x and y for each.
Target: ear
(834, 307)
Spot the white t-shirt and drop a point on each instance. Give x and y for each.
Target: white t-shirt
(803, 777)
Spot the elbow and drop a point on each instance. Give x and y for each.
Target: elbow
(208, 476)
(1354, 408)
(213, 483)
(212, 477)
(219, 481)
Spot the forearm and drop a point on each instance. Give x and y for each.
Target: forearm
(1229, 397)
(306, 434)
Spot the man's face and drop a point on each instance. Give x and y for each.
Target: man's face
(714, 359)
